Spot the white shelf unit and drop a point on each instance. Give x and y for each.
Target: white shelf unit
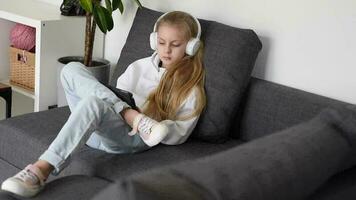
(56, 36)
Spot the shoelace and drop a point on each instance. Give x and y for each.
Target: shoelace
(26, 174)
(145, 125)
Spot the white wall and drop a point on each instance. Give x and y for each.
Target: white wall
(310, 45)
(21, 104)
(5, 27)
(54, 2)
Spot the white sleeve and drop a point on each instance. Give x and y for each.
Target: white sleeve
(179, 130)
(125, 79)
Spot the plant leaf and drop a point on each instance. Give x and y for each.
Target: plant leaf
(138, 3)
(99, 18)
(86, 5)
(103, 18)
(121, 6)
(115, 4)
(109, 20)
(108, 6)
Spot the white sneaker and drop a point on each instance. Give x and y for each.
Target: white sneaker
(26, 183)
(151, 131)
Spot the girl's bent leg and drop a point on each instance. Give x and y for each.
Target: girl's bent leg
(79, 83)
(90, 114)
(84, 120)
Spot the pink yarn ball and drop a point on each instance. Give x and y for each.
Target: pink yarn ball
(23, 37)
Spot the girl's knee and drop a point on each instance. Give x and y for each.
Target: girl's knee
(71, 69)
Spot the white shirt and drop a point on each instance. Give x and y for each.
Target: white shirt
(144, 75)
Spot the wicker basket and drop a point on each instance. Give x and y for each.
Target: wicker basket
(22, 68)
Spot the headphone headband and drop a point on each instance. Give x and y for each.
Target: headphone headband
(195, 19)
(192, 45)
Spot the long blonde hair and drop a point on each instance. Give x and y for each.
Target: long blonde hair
(180, 79)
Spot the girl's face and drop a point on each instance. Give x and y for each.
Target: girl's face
(172, 42)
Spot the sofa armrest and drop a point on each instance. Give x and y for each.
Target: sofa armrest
(270, 107)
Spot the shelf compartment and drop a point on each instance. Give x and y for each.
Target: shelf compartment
(20, 90)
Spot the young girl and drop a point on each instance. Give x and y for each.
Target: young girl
(168, 88)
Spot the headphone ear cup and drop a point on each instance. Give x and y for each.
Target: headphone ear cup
(153, 40)
(192, 46)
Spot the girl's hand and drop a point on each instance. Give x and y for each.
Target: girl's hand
(129, 115)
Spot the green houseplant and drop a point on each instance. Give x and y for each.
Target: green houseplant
(97, 13)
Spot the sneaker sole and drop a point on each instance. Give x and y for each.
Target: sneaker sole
(18, 188)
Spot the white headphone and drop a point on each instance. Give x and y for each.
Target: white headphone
(193, 43)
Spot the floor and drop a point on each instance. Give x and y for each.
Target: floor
(20, 105)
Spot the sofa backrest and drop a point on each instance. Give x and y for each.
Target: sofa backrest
(269, 107)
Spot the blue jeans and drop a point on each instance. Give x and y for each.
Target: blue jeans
(95, 119)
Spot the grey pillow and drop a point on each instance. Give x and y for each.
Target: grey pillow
(230, 54)
(290, 164)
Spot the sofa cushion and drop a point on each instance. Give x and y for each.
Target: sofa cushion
(6, 170)
(24, 138)
(229, 57)
(341, 186)
(92, 162)
(290, 164)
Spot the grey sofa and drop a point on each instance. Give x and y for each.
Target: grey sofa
(255, 140)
